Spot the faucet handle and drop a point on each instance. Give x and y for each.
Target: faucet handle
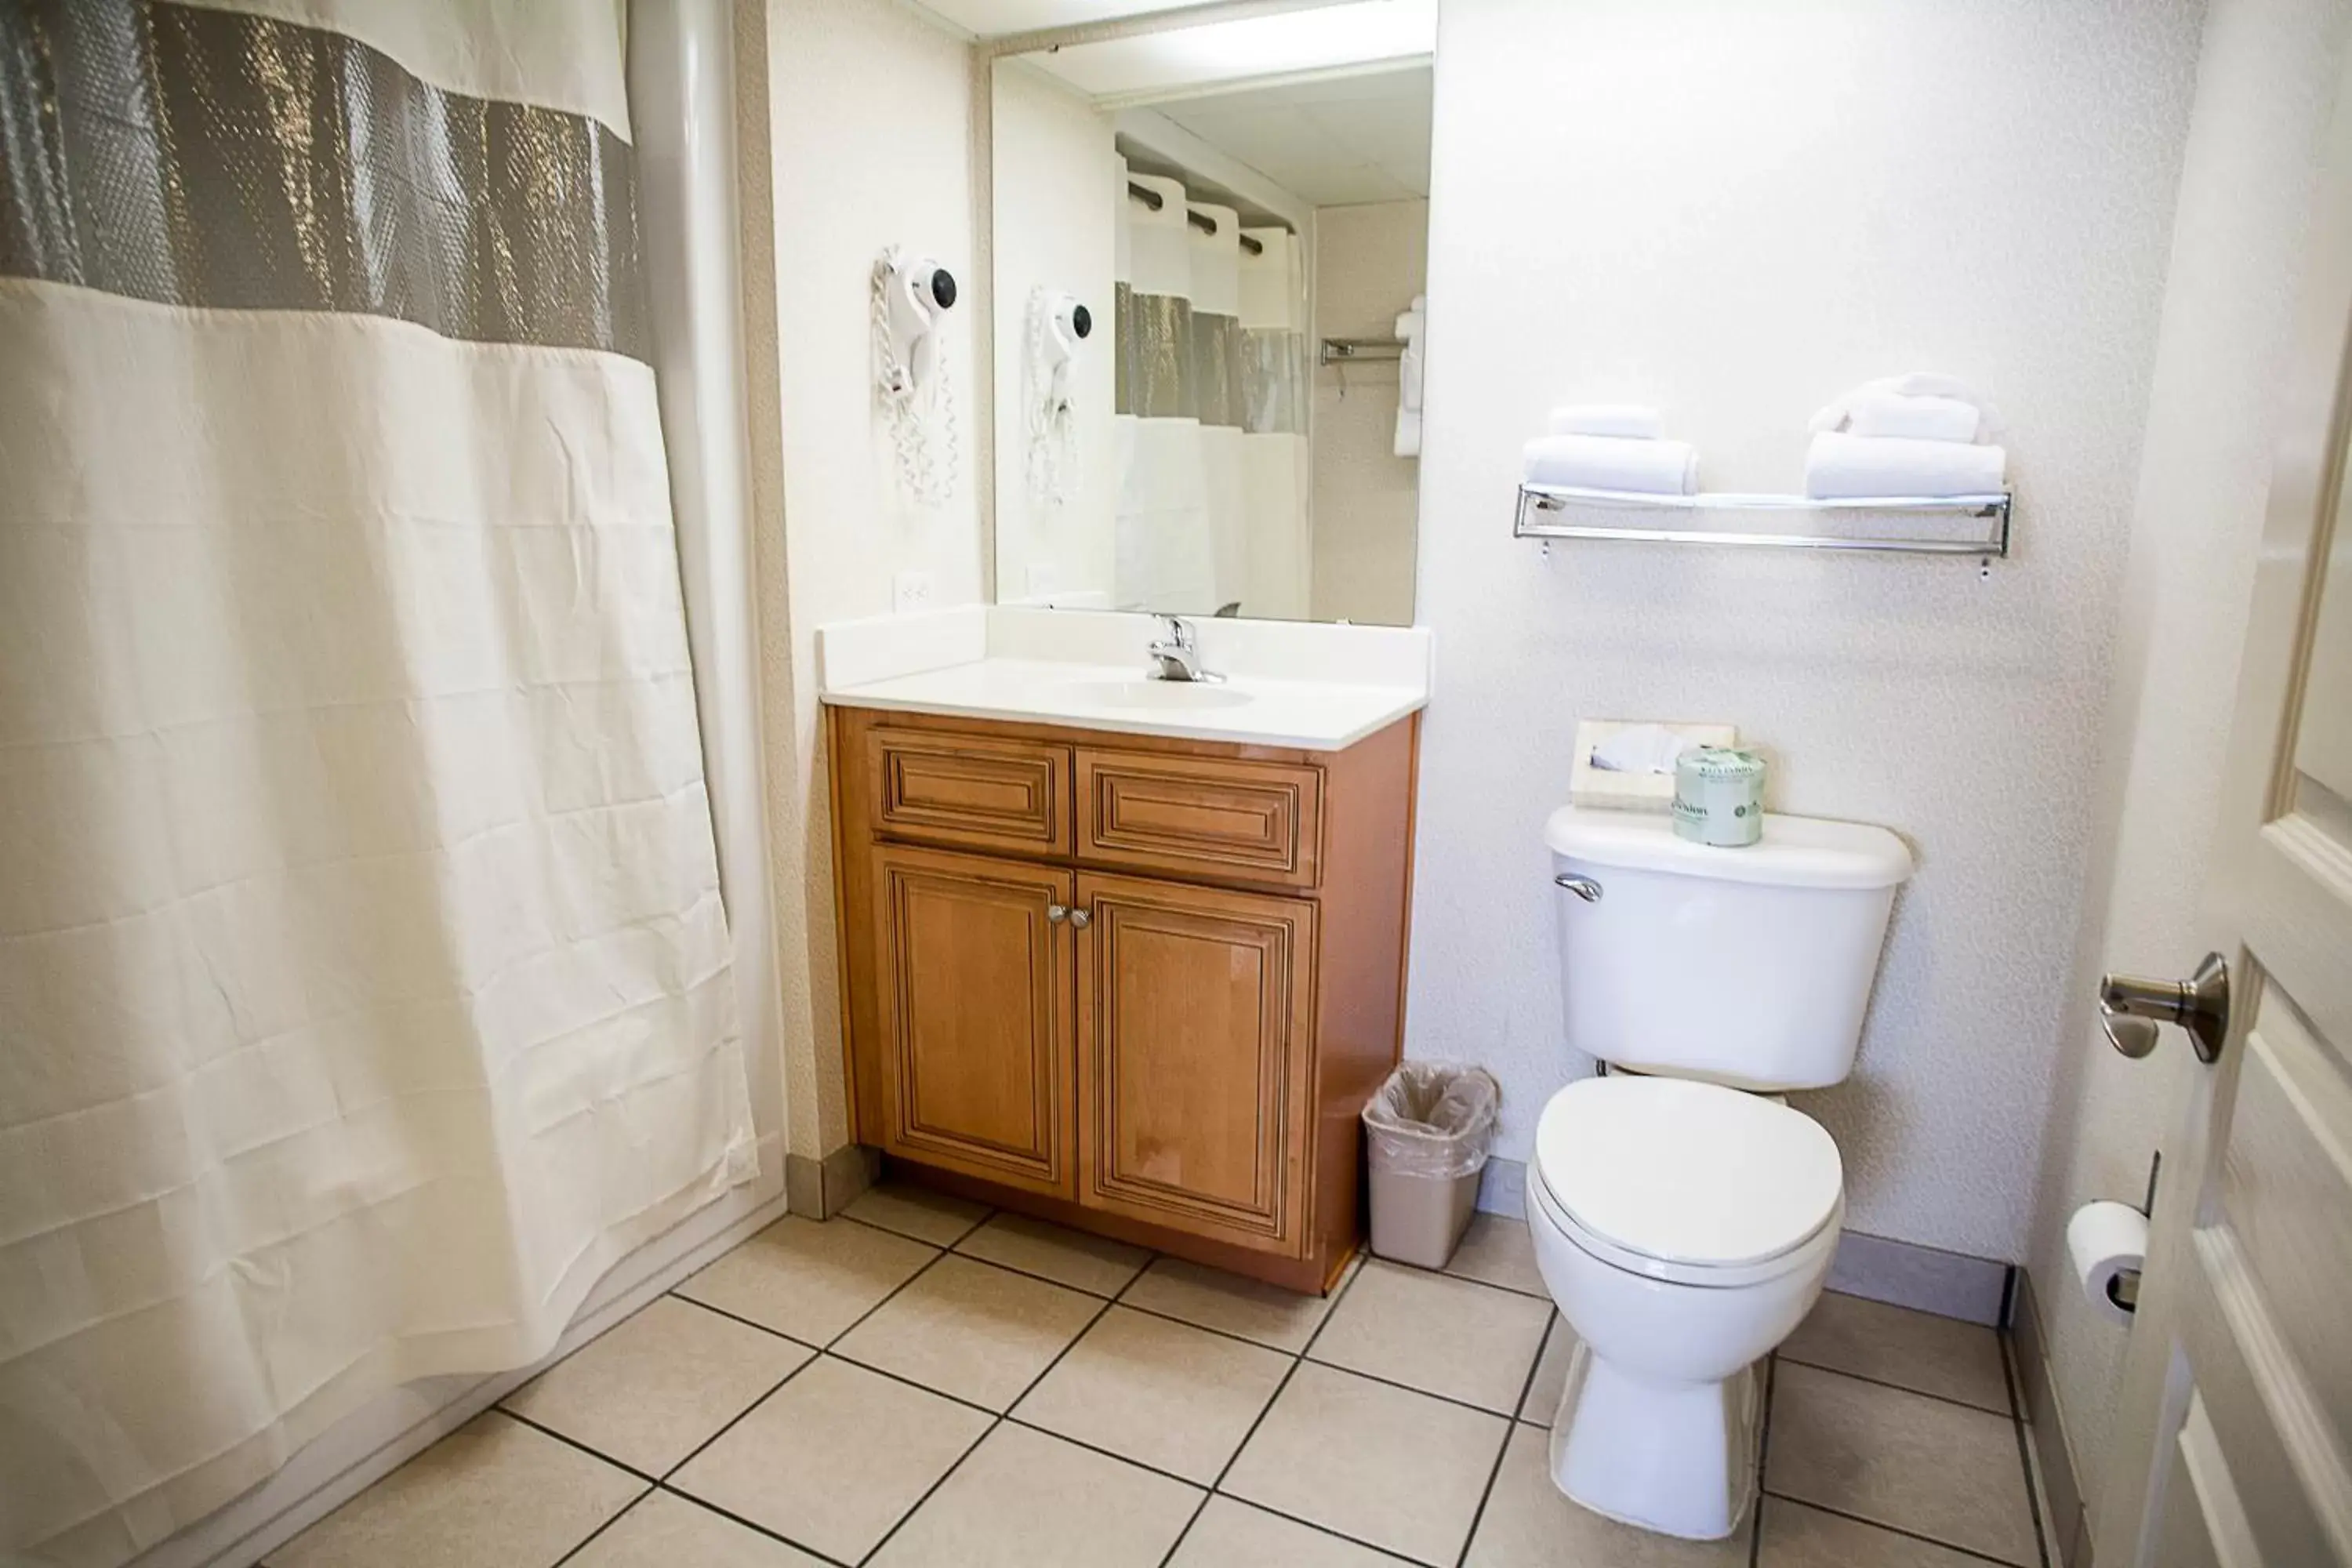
(1180, 630)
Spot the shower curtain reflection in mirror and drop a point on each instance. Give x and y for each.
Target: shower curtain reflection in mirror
(364, 983)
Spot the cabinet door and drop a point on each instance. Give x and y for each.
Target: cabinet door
(972, 957)
(1196, 1019)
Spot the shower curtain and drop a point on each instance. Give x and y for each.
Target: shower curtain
(364, 983)
(1211, 429)
(1277, 473)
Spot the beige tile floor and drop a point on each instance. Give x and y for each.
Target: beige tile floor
(924, 1385)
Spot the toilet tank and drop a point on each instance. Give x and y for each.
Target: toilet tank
(1750, 967)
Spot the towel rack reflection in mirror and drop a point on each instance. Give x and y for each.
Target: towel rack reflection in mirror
(1350, 350)
(1567, 511)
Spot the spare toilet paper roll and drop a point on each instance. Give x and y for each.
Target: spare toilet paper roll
(2104, 1240)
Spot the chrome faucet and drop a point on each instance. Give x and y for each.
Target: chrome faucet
(1177, 656)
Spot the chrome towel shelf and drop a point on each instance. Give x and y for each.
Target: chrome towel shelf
(1567, 511)
(1352, 351)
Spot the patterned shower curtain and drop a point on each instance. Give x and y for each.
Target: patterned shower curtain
(365, 985)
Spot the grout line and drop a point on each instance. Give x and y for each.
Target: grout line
(1297, 1360)
(751, 1524)
(581, 1544)
(1511, 1415)
(1763, 1452)
(908, 1236)
(890, 1296)
(737, 1419)
(1510, 1430)
(2014, 1379)
(568, 1442)
(998, 1419)
(730, 1317)
(1892, 1528)
(917, 1506)
(2009, 1414)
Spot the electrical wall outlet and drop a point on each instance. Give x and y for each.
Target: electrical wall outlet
(910, 593)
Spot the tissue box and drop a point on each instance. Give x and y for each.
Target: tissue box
(1595, 786)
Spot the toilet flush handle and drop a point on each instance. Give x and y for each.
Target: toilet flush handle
(1584, 888)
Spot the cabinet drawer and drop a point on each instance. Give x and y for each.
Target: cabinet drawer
(1223, 818)
(977, 790)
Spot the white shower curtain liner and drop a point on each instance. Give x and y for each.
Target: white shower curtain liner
(1211, 426)
(364, 983)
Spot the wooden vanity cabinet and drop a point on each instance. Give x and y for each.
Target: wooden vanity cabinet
(1137, 985)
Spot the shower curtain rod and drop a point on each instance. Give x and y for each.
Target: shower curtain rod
(1201, 221)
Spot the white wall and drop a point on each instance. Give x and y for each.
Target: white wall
(866, 113)
(2265, 87)
(1736, 211)
(1057, 195)
(1370, 261)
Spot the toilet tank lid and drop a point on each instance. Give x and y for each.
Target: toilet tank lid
(1795, 851)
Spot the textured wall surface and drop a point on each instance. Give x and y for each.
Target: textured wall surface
(1735, 212)
(1370, 261)
(868, 110)
(2265, 85)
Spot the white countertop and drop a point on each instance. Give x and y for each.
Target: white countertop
(1050, 668)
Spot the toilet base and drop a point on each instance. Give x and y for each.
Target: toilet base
(1677, 1458)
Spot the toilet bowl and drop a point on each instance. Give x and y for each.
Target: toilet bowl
(1685, 1229)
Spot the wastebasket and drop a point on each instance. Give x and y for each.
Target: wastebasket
(1428, 1130)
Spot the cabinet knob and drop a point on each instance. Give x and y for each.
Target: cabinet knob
(1081, 920)
(1058, 914)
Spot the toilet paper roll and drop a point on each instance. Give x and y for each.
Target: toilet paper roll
(2104, 1240)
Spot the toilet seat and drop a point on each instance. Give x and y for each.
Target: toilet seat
(1686, 1182)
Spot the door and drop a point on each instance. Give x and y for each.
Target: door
(1196, 1009)
(2234, 1439)
(973, 958)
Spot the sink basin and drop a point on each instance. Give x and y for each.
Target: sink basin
(1147, 694)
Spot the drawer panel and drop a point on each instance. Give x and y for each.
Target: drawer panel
(1208, 818)
(980, 791)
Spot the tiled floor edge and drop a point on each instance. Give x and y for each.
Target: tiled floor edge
(2045, 1428)
(263, 1520)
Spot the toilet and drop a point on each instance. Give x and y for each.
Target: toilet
(1684, 1215)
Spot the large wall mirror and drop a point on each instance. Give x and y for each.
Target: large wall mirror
(1208, 240)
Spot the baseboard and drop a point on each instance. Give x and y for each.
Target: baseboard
(2070, 1525)
(1949, 1284)
(1905, 1274)
(1503, 1187)
(379, 1438)
(820, 1189)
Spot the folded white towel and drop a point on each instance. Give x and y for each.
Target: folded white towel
(1838, 413)
(1613, 463)
(1628, 419)
(1915, 418)
(1850, 467)
(1408, 433)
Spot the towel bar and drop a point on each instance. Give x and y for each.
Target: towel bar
(1549, 511)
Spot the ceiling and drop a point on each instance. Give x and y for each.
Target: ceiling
(1151, 68)
(1333, 143)
(994, 18)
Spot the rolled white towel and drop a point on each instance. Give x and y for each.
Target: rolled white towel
(1913, 418)
(1613, 463)
(1853, 468)
(1838, 413)
(1627, 419)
